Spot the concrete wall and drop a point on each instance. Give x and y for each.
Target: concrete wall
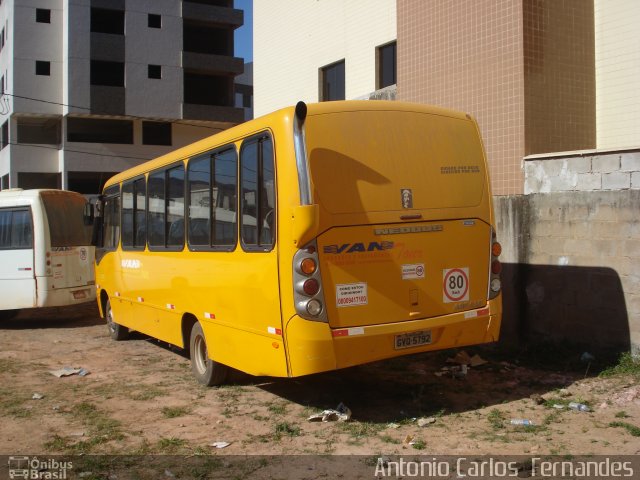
(582, 171)
(572, 267)
(293, 39)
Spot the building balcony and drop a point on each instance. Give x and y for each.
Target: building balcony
(212, 14)
(213, 113)
(210, 63)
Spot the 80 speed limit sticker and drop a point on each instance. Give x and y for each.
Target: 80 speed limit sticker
(455, 285)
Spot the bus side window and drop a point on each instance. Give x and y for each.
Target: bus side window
(166, 208)
(111, 214)
(156, 209)
(134, 214)
(16, 231)
(175, 207)
(257, 194)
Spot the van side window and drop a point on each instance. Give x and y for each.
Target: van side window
(134, 225)
(166, 208)
(212, 180)
(111, 235)
(258, 194)
(16, 230)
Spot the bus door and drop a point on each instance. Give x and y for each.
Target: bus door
(17, 281)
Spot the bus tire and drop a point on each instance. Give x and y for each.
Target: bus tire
(206, 371)
(116, 331)
(8, 314)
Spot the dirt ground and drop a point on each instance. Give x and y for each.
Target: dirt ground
(140, 398)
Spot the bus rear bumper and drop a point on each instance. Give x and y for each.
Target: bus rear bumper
(314, 347)
(65, 296)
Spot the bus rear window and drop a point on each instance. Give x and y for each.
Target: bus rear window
(65, 214)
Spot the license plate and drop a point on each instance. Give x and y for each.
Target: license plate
(413, 339)
(79, 294)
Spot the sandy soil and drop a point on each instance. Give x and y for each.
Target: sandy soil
(140, 398)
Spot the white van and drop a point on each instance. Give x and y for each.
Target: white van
(46, 257)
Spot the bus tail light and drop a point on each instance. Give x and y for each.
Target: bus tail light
(495, 284)
(308, 294)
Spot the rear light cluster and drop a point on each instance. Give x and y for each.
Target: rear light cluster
(308, 294)
(495, 285)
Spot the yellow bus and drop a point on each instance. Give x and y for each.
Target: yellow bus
(311, 239)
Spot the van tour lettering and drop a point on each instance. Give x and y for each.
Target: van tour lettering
(357, 247)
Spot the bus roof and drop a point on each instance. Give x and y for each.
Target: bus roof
(282, 116)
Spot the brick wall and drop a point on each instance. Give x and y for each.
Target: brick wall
(572, 267)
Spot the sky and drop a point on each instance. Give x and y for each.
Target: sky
(244, 34)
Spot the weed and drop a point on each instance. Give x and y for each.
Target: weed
(627, 365)
(496, 419)
(632, 429)
(389, 439)
(149, 393)
(277, 408)
(419, 445)
(287, 429)
(361, 429)
(622, 414)
(57, 443)
(171, 444)
(173, 412)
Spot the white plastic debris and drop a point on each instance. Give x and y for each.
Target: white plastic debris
(37, 396)
(220, 444)
(340, 414)
(67, 371)
(423, 422)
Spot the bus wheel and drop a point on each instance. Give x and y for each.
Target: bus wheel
(117, 332)
(206, 371)
(8, 314)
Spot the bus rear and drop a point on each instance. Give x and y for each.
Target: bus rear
(403, 256)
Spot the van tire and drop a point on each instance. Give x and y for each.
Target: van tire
(208, 372)
(116, 331)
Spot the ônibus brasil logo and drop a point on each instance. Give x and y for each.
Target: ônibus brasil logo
(36, 469)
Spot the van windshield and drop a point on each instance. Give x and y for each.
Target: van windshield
(65, 213)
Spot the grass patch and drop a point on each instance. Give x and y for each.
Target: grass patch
(277, 408)
(622, 414)
(8, 365)
(627, 365)
(171, 444)
(389, 439)
(496, 419)
(173, 412)
(286, 429)
(419, 445)
(359, 430)
(632, 429)
(147, 393)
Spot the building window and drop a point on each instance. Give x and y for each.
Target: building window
(107, 21)
(332, 82)
(208, 89)
(154, 71)
(154, 21)
(39, 131)
(386, 65)
(5, 182)
(4, 133)
(43, 68)
(43, 15)
(156, 133)
(93, 130)
(110, 74)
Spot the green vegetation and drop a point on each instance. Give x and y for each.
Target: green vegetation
(171, 444)
(627, 365)
(496, 419)
(284, 428)
(632, 429)
(419, 445)
(173, 412)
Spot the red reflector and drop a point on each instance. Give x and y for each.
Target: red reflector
(483, 312)
(340, 333)
(311, 286)
(496, 267)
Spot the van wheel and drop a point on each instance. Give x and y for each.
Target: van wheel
(117, 332)
(8, 314)
(206, 371)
